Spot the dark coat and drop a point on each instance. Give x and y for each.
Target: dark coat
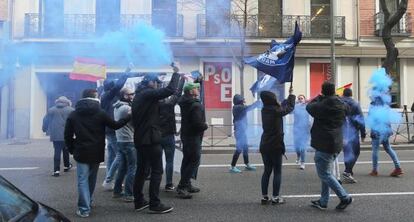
(193, 118)
(167, 111)
(354, 120)
(55, 120)
(87, 123)
(272, 141)
(329, 115)
(146, 112)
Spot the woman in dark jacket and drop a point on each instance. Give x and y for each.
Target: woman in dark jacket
(272, 146)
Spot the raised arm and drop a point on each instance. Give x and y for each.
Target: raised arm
(287, 105)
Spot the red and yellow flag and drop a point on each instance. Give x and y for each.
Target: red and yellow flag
(340, 90)
(88, 69)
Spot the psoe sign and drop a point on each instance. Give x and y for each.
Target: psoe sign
(218, 86)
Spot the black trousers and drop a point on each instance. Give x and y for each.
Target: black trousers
(149, 158)
(191, 159)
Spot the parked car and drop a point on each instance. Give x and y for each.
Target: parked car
(15, 206)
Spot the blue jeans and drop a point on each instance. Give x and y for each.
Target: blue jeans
(60, 147)
(86, 184)
(323, 163)
(112, 159)
(241, 146)
(168, 145)
(386, 144)
(272, 162)
(351, 153)
(127, 168)
(301, 153)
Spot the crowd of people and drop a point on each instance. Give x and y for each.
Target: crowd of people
(136, 127)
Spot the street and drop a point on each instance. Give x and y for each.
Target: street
(223, 196)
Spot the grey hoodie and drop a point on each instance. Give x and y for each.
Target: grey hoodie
(126, 133)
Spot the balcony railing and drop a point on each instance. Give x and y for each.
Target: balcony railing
(269, 26)
(402, 28)
(84, 25)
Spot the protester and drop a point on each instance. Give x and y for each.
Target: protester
(240, 127)
(193, 125)
(85, 139)
(353, 125)
(147, 139)
(108, 98)
(328, 112)
(380, 134)
(126, 150)
(272, 147)
(301, 126)
(54, 126)
(168, 131)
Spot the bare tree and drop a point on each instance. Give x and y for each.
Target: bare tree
(389, 22)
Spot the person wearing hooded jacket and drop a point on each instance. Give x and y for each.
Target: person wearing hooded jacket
(85, 139)
(240, 126)
(147, 139)
(328, 112)
(193, 125)
(272, 146)
(54, 125)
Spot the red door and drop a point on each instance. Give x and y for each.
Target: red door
(319, 73)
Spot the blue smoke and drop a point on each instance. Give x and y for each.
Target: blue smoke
(380, 115)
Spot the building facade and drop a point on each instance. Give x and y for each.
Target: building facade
(204, 36)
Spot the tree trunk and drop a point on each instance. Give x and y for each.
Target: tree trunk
(389, 22)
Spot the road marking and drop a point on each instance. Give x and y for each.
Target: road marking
(352, 194)
(19, 168)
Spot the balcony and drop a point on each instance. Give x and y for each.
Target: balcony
(81, 26)
(269, 26)
(402, 28)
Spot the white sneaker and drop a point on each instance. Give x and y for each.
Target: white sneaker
(302, 166)
(108, 186)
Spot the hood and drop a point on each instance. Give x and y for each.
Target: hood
(186, 100)
(120, 103)
(108, 84)
(62, 102)
(268, 98)
(238, 99)
(88, 106)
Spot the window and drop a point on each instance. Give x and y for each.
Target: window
(270, 18)
(108, 15)
(164, 16)
(218, 17)
(320, 20)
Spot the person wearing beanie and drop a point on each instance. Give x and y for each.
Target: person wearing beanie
(54, 126)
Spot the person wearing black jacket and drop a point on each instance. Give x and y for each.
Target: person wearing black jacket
(240, 126)
(108, 98)
(193, 125)
(329, 113)
(168, 130)
(85, 139)
(147, 139)
(272, 146)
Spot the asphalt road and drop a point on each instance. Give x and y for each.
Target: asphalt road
(223, 196)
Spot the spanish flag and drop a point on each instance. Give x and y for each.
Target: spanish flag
(88, 69)
(340, 90)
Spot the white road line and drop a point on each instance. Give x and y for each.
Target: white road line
(352, 194)
(19, 168)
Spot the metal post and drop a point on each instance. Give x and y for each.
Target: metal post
(333, 67)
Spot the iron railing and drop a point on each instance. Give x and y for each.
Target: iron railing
(402, 28)
(84, 25)
(268, 26)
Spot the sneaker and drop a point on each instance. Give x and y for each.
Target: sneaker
(141, 206)
(193, 189)
(250, 167)
(302, 166)
(128, 198)
(234, 170)
(66, 169)
(278, 200)
(264, 200)
(348, 178)
(396, 172)
(83, 215)
(108, 185)
(116, 195)
(169, 188)
(344, 203)
(373, 173)
(297, 161)
(56, 173)
(160, 209)
(183, 194)
(317, 204)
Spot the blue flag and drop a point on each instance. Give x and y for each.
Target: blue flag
(264, 83)
(279, 60)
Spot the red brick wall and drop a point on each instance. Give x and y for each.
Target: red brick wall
(3, 10)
